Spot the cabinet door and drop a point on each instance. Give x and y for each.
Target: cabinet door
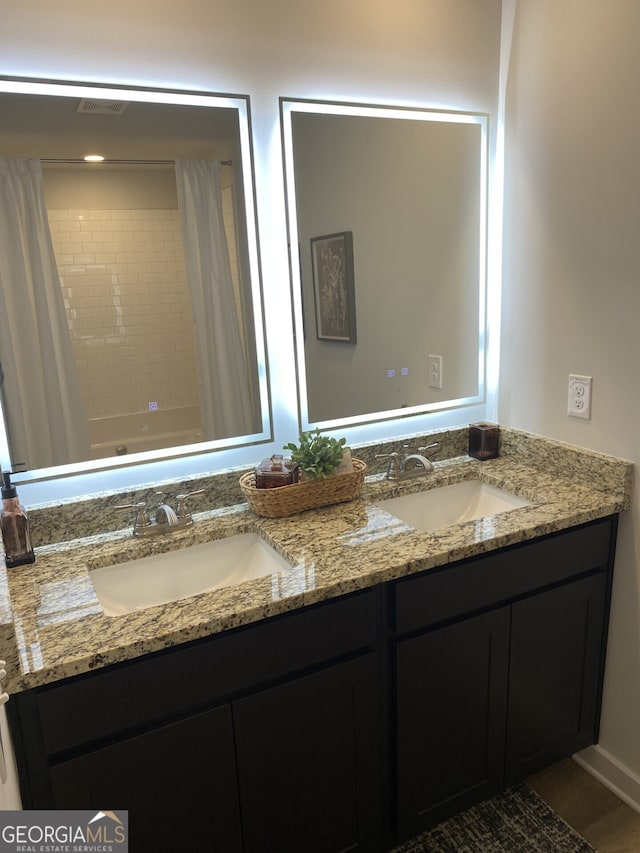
(555, 675)
(308, 762)
(177, 782)
(451, 709)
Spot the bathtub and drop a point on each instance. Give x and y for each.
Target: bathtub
(120, 435)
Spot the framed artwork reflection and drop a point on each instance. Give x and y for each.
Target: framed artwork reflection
(334, 287)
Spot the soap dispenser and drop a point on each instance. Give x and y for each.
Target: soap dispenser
(14, 524)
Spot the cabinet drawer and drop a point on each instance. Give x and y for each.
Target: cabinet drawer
(149, 690)
(441, 594)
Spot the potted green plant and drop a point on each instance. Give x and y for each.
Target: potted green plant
(317, 455)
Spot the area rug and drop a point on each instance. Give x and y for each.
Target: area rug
(517, 821)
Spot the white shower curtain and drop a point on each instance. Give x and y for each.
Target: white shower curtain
(43, 405)
(225, 388)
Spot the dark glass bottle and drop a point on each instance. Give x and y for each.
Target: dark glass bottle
(14, 524)
(276, 471)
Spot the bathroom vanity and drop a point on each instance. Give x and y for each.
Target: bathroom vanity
(391, 679)
(499, 663)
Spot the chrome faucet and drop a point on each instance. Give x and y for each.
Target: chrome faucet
(166, 520)
(409, 465)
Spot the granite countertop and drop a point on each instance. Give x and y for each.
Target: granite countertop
(52, 625)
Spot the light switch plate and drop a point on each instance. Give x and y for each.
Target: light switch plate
(579, 396)
(435, 371)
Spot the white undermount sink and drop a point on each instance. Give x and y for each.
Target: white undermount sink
(162, 578)
(455, 504)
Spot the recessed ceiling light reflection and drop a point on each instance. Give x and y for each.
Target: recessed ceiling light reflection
(93, 158)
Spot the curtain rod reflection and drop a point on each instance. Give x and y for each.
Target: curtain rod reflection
(121, 162)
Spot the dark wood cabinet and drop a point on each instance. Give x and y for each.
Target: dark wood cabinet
(348, 725)
(308, 767)
(554, 676)
(451, 703)
(298, 761)
(178, 783)
(263, 738)
(484, 699)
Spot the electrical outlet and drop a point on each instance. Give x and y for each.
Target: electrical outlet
(579, 397)
(435, 371)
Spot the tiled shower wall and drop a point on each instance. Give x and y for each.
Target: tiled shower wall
(128, 306)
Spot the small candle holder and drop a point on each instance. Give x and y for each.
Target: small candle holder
(483, 440)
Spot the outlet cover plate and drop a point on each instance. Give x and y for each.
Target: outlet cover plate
(579, 396)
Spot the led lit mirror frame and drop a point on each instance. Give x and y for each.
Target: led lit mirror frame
(289, 108)
(239, 103)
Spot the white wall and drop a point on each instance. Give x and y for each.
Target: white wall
(419, 52)
(571, 294)
(69, 187)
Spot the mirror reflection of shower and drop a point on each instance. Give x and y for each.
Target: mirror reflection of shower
(163, 154)
(117, 239)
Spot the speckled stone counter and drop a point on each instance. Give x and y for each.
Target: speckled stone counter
(52, 625)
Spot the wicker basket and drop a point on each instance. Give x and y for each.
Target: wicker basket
(310, 494)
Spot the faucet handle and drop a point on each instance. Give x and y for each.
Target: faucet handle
(142, 518)
(139, 506)
(181, 510)
(429, 447)
(394, 463)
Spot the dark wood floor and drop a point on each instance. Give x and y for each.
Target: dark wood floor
(599, 816)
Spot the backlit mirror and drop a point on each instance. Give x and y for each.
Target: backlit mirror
(387, 226)
(131, 323)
